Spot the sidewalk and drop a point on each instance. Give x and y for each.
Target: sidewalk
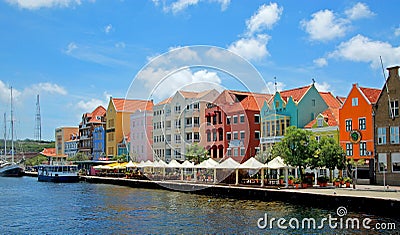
(370, 191)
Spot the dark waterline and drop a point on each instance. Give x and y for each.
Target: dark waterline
(31, 207)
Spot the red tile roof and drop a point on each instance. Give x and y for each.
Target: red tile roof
(239, 100)
(49, 152)
(296, 93)
(330, 116)
(331, 100)
(99, 111)
(125, 105)
(372, 94)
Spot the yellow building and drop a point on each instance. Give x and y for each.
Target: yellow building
(118, 115)
(63, 134)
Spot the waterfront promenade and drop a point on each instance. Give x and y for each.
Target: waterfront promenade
(365, 198)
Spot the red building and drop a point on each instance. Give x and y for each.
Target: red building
(233, 125)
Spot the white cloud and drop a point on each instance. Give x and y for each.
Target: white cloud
(71, 46)
(322, 87)
(362, 49)
(48, 88)
(271, 86)
(358, 11)
(90, 105)
(108, 28)
(174, 80)
(265, 18)
(36, 4)
(325, 26)
(320, 62)
(120, 45)
(397, 32)
(181, 5)
(5, 93)
(254, 48)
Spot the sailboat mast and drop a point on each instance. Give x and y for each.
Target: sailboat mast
(12, 130)
(5, 136)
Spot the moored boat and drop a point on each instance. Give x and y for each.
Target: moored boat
(9, 169)
(58, 173)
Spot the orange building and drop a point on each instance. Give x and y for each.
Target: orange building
(356, 128)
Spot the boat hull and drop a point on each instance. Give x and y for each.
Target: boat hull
(59, 178)
(11, 171)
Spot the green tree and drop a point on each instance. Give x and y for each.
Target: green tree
(296, 148)
(39, 159)
(79, 157)
(120, 158)
(196, 153)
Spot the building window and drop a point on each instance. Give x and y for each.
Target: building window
(189, 136)
(214, 131)
(177, 108)
(394, 108)
(242, 134)
(349, 125)
(349, 149)
(178, 123)
(313, 102)
(318, 138)
(177, 139)
(196, 105)
(394, 134)
(354, 101)
(235, 152)
(235, 119)
(363, 148)
(320, 122)
(196, 121)
(177, 153)
(229, 152)
(256, 150)
(256, 118)
(235, 135)
(228, 136)
(242, 151)
(228, 120)
(241, 118)
(395, 162)
(196, 136)
(382, 162)
(381, 135)
(362, 123)
(257, 135)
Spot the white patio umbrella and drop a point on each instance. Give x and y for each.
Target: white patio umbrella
(229, 163)
(278, 163)
(131, 164)
(254, 164)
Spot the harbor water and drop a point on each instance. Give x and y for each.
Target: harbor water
(31, 207)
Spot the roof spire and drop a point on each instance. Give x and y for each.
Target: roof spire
(275, 85)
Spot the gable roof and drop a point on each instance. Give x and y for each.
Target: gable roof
(331, 114)
(193, 94)
(330, 100)
(166, 101)
(239, 100)
(126, 105)
(49, 152)
(296, 93)
(372, 94)
(99, 111)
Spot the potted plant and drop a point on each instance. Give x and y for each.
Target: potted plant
(290, 179)
(322, 181)
(347, 181)
(336, 182)
(297, 182)
(281, 179)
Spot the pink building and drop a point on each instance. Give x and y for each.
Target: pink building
(141, 141)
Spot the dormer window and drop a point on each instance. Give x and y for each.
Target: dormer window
(320, 122)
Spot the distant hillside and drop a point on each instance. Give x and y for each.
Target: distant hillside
(27, 145)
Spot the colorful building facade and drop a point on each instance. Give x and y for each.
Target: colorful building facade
(141, 135)
(177, 123)
(387, 129)
(99, 144)
(118, 121)
(89, 122)
(295, 107)
(233, 125)
(63, 134)
(356, 128)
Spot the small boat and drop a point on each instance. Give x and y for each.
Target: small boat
(58, 173)
(9, 169)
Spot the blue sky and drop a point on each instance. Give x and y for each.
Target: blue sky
(78, 53)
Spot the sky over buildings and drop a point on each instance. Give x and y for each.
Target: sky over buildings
(78, 53)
